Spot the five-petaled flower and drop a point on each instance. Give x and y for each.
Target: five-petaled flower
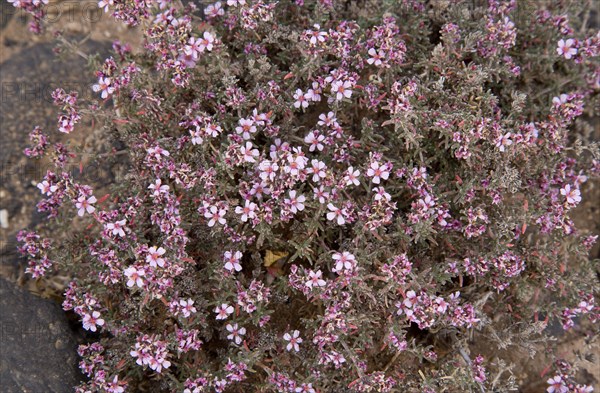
(378, 172)
(567, 48)
(247, 212)
(344, 261)
(294, 340)
(236, 333)
(85, 204)
(91, 320)
(572, 195)
(315, 279)
(104, 85)
(223, 311)
(232, 260)
(116, 227)
(154, 256)
(134, 276)
(341, 89)
(215, 214)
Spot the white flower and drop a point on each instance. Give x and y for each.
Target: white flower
(105, 4)
(90, 321)
(341, 89)
(301, 99)
(245, 128)
(314, 139)
(214, 10)
(249, 153)
(236, 333)
(344, 261)
(268, 170)
(232, 260)
(504, 140)
(573, 195)
(376, 57)
(158, 188)
(566, 49)
(317, 169)
(46, 188)
(116, 228)
(296, 203)
(314, 279)
(154, 257)
(378, 172)
(134, 276)
(85, 205)
(247, 212)
(335, 214)
(215, 215)
(187, 307)
(104, 86)
(223, 311)
(206, 43)
(351, 176)
(294, 339)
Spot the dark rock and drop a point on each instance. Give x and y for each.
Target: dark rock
(38, 350)
(27, 80)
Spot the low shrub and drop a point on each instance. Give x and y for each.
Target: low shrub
(328, 196)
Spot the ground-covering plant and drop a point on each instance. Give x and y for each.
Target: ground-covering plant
(329, 196)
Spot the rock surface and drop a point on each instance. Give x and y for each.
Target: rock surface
(38, 350)
(26, 81)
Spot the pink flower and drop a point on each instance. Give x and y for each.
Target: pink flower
(317, 168)
(503, 141)
(215, 214)
(376, 57)
(301, 99)
(567, 48)
(573, 195)
(206, 43)
(116, 228)
(315, 279)
(186, 307)
(378, 172)
(158, 188)
(154, 257)
(90, 321)
(351, 176)
(104, 86)
(344, 261)
(85, 205)
(314, 139)
(247, 212)
(249, 153)
(335, 214)
(294, 339)
(232, 260)
(134, 276)
(105, 4)
(245, 128)
(223, 311)
(556, 385)
(46, 188)
(296, 203)
(236, 333)
(341, 89)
